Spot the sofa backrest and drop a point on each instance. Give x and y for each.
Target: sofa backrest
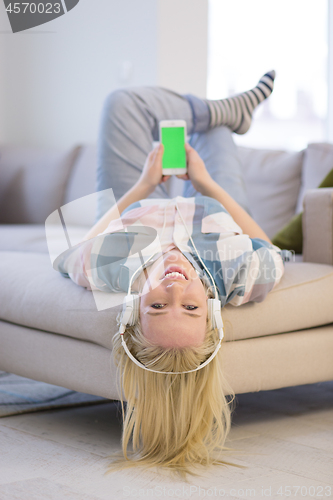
(35, 182)
(80, 192)
(272, 180)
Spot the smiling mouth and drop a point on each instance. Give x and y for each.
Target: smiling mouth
(174, 273)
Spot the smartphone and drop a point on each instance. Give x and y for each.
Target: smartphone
(173, 136)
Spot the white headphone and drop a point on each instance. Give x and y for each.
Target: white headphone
(131, 304)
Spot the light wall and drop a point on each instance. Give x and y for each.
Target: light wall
(55, 77)
(183, 45)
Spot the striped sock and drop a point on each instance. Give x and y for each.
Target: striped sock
(236, 112)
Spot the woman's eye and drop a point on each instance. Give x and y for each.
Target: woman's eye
(189, 308)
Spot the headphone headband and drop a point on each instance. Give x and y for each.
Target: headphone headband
(130, 355)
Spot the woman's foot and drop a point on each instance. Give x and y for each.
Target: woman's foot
(236, 112)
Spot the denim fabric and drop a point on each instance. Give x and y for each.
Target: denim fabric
(129, 125)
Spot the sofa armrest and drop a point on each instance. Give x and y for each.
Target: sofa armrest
(318, 226)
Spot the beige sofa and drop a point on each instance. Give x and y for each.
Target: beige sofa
(51, 330)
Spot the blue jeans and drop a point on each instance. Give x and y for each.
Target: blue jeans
(129, 125)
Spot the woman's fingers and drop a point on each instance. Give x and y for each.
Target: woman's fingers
(160, 149)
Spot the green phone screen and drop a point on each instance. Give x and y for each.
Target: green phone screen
(173, 140)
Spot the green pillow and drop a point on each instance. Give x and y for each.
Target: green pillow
(290, 237)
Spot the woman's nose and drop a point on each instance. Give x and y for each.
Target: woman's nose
(176, 284)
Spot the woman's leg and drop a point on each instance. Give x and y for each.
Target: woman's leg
(220, 154)
(128, 128)
(130, 124)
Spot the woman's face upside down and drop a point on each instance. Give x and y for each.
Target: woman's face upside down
(173, 307)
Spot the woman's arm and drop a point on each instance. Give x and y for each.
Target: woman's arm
(150, 177)
(203, 183)
(138, 192)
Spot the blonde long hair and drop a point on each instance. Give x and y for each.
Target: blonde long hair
(172, 421)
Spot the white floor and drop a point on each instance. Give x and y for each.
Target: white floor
(286, 438)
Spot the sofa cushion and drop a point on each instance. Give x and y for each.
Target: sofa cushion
(31, 237)
(302, 299)
(32, 182)
(33, 294)
(273, 181)
(318, 162)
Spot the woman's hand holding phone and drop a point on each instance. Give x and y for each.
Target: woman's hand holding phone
(196, 170)
(197, 173)
(151, 175)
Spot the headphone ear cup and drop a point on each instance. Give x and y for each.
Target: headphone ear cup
(214, 312)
